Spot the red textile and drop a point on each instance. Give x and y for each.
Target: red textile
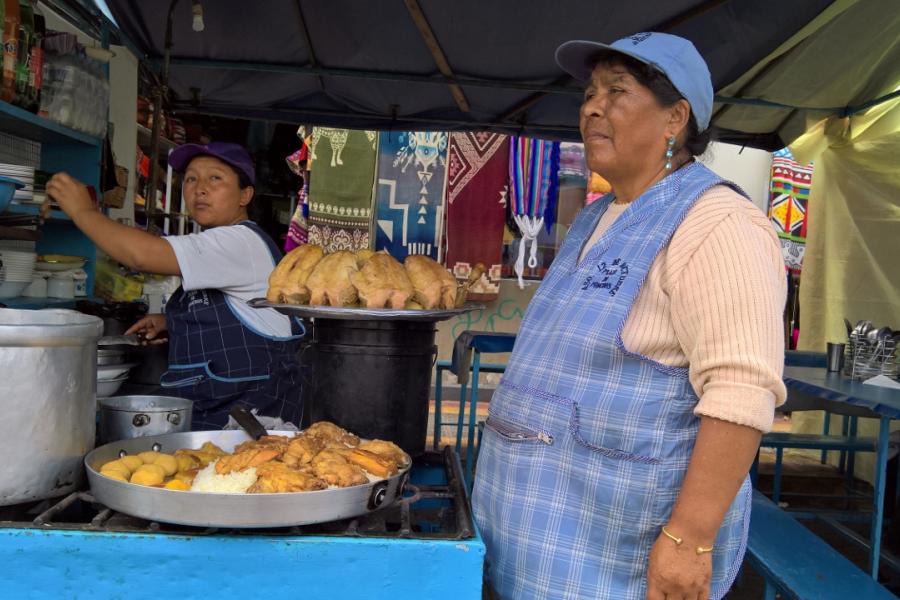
(477, 185)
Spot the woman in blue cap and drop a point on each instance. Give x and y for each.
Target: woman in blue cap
(221, 351)
(616, 451)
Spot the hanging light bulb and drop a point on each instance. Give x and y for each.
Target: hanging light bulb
(197, 10)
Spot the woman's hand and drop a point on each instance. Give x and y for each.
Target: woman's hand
(677, 572)
(150, 328)
(72, 195)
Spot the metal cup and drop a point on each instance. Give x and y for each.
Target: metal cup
(834, 357)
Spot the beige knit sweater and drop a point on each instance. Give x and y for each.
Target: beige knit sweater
(713, 302)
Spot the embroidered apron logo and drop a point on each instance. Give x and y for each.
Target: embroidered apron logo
(610, 277)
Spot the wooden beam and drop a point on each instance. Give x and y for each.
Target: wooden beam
(437, 53)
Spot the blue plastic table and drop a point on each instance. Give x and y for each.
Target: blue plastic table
(838, 394)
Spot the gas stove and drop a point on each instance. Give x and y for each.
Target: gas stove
(424, 547)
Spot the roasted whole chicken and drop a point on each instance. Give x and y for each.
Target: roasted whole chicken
(330, 281)
(287, 283)
(382, 282)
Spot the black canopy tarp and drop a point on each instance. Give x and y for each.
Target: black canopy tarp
(482, 64)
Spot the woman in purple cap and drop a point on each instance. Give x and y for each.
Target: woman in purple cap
(616, 451)
(222, 353)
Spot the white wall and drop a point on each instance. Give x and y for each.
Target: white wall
(748, 167)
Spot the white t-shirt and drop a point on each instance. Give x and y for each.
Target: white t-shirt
(236, 261)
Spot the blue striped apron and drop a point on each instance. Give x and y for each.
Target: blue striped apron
(217, 360)
(586, 444)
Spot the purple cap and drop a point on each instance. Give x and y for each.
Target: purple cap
(232, 154)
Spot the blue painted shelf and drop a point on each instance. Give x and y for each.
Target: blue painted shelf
(33, 209)
(23, 124)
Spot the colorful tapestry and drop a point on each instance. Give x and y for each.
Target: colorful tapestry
(788, 198)
(533, 180)
(477, 186)
(298, 229)
(342, 166)
(409, 196)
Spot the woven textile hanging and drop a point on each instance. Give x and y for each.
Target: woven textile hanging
(788, 198)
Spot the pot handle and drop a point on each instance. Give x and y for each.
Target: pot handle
(378, 495)
(174, 418)
(140, 419)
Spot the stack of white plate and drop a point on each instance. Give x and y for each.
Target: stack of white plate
(24, 174)
(16, 272)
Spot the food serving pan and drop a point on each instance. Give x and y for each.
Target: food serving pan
(359, 313)
(205, 509)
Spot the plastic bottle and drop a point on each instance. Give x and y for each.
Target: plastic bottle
(23, 54)
(10, 50)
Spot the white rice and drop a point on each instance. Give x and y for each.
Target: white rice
(236, 482)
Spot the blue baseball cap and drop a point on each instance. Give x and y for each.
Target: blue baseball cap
(675, 57)
(232, 154)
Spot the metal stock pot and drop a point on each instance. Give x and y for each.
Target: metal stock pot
(48, 370)
(126, 417)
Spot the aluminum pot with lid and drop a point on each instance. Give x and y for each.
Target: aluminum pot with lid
(48, 368)
(127, 417)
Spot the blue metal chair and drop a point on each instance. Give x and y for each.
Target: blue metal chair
(467, 351)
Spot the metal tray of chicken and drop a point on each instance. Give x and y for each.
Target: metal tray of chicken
(237, 510)
(306, 311)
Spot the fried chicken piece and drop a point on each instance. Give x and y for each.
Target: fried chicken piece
(332, 467)
(287, 283)
(302, 450)
(271, 442)
(383, 282)
(387, 450)
(329, 283)
(207, 453)
(276, 477)
(329, 432)
(245, 460)
(371, 462)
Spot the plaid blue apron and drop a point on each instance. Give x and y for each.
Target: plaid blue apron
(586, 444)
(218, 361)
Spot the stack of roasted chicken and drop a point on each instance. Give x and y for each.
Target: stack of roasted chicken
(365, 278)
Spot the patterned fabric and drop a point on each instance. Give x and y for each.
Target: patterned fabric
(477, 186)
(587, 444)
(412, 175)
(340, 193)
(572, 162)
(218, 361)
(298, 229)
(533, 177)
(788, 199)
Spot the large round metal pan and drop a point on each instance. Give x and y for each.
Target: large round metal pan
(367, 314)
(206, 509)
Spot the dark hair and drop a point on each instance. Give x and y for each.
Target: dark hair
(662, 89)
(243, 180)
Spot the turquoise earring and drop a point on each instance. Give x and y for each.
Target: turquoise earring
(670, 146)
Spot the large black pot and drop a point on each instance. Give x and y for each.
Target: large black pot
(372, 378)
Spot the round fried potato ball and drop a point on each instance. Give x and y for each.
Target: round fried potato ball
(148, 457)
(132, 462)
(149, 475)
(177, 485)
(168, 463)
(116, 466)
(117, 475)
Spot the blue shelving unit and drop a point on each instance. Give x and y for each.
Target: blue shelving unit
(62, 149)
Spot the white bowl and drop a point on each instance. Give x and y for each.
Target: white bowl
(13, 289)
(110, 386)
(109, 372)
